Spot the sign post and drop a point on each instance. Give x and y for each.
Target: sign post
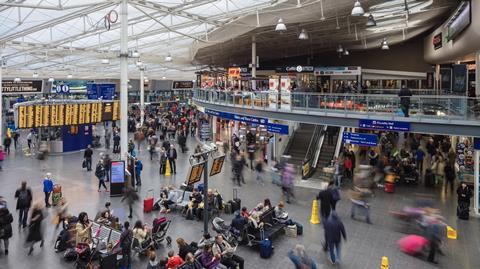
(384, 125)
(369, 140)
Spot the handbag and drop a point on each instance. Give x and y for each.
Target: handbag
(84, 163)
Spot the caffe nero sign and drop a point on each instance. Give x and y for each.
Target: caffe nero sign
(27, 86)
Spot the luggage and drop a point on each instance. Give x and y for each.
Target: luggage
(57, 188)
(389, 187)
(463, 211)
(291, 230)
(236, 202)
(56, 198)
(299, 228)
(148, 202)
(266, 248)
(228, 208)
(412, 244)
(84, 163)
(200, 187)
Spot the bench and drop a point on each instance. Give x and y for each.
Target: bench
(271, 228)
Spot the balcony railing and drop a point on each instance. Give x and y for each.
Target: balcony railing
(422, 108)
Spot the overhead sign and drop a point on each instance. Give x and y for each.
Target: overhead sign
(242, 118)
(69, 86)
(476, 143)
(338, 71)
(437, 41)
(62, 89)
(105, 91)
(195, 173)
(217, 165)
(234, 72)
(360, 139)
(277, 128)
(182, 84)
(35, 115)
(384, 125)
(24, 86)
(297, 69)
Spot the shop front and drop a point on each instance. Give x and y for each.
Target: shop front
(338, 79)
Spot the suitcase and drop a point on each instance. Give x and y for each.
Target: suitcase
(299, 228)
(463, 211)
(236, 202)
(57, 188)
(266, 248)
(389, 187)
(56, 198)
(227, 208)
(148, 202)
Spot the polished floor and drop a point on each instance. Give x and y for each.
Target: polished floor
(364, 248)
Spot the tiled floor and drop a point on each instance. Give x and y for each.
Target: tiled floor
(365, 246)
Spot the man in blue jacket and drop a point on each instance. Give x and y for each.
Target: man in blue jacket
(334, 231)
(138, 171)
(47, 188)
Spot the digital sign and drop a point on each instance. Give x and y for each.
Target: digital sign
(31, 86)
(118, 172)
(31, 115)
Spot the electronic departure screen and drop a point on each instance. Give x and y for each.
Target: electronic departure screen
(54, 115)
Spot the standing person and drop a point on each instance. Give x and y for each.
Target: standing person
(83, 229)
(326, 201)
(116, 143)
(449, 177)
(419, 157)
(404, 95)
(100, 174)
(29, 139)
(334, 231)
(47, 188)
(15, 135)
(131, 147)
(24, 201)
(464, 195)
(6, 143)
(153, 140)
(259, 171)
(87, 156)
(182, 141)
(6, 220)
(300, 259)
(288, 177)
(172, 157)
(35, 233)
(348, 166)
(130, 196)
(251, 154)
(162, 156)
(126, 239)
(2, 157)
(108, 137)
(107, 163)
(138, 171)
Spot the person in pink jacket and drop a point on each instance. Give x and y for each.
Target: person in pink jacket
(2, 157)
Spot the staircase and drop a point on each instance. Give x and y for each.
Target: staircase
(298, 145)
(328, 151)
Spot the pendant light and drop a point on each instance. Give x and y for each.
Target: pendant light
(280, 26)
(168, 58)
(339, 49)
(35, 75)
(136, 54)
(303, 35)
(357, 9)
(385, 44)
(17, 79)
(69, 76)
(105, 61)
(346, 52)
(371, 21)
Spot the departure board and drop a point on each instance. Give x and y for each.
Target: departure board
(64, 114)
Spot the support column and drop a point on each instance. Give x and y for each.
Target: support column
(214, 128)
(1, 97)
(477, 73)
(476, 187)
(123, 80)
(142, 95)
(254, 62)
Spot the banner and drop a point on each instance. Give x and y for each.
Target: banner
(26, 86)
(195, 174)
(217, 165)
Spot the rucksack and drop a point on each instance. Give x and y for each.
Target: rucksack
(23, 197)
(335, 194)
(99, 172)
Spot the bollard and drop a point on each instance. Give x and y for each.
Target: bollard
(384, 263)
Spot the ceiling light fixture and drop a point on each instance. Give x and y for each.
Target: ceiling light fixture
(357, 9)
(346, 52)
(371, 21)
(280, 26)
(303, 35)
(50, 79)
(139, 63)
(105, 61)
(339, 49)
(35, 75)
(69, 76)
(136, 54)
(17, 79)
(168, 58)
(164, 78)
(385, 44)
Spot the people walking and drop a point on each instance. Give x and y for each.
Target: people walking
(300, 259)
(6, 143)
(107, 164)
(449, 177)
(259, 171)
(464, 195)
(35, 233)
(100, 174)
(138, 172)
(334, 231)
(288, 177)
(29, 139)
(326, 201)
(15, 136)
(47, 188)
(126, 239)
(24, 201)
(130, 196)
(87, 156)
(6, 220)
(116, 143)
(108, 137)
(172, 157)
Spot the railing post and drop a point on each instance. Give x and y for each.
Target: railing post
(307, 98)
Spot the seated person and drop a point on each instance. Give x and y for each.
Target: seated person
(227, 253)
(191, 263)
(280, 212)
(184, 248)
(167, 199)
(239, 225)
(208, 259)
(153, 262)
(104, 218)
(267, 205)
(174, 261)
(244, 212)
(195, 200)
(140, 232)
(255, 216)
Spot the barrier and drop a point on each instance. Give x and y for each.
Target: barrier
(314, 218)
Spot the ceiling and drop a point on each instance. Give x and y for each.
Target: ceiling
(337, 27)
(56, 38)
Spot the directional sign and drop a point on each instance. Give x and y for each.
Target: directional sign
(385, 125)
(277, 128)
(369, 140)
(196, 173)
(217, 165)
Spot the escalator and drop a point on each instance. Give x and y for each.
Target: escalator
(327, 152)
(298, 145)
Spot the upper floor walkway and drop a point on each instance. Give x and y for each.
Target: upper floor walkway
(433, 114)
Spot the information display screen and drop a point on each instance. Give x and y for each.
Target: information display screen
(118, 172)
(54, 115)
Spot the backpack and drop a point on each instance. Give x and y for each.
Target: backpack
(23, 197)
(99, 172)
(335, 194)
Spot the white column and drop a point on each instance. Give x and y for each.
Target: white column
(477, 73)
(254, 62)
(236, 127)
(142, 95)
(476, 187)
(123, 79)
(214, 128)
(1, 97)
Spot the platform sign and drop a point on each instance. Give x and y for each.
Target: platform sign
(217, 165)
(369, 140)
(384, 125)
(277, 128)
(195, 173)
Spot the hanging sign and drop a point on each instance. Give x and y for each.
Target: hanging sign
(24, 86)
(217, 165)
(195, 173)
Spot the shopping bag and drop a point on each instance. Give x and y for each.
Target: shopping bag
(148, 202)
(451, 233)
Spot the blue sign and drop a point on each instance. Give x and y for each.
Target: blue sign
(385, 125)
(62, 88)
(360, 139)
(277, 128)
(242, 118)
(476, 143)
(106, 91)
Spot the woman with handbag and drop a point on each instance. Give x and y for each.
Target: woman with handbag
(6, 220)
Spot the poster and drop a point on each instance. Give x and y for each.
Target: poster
(286, 100)
(24, 86)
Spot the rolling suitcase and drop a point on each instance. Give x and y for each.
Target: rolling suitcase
(266, 247)
(236, 202)
(148, 202)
